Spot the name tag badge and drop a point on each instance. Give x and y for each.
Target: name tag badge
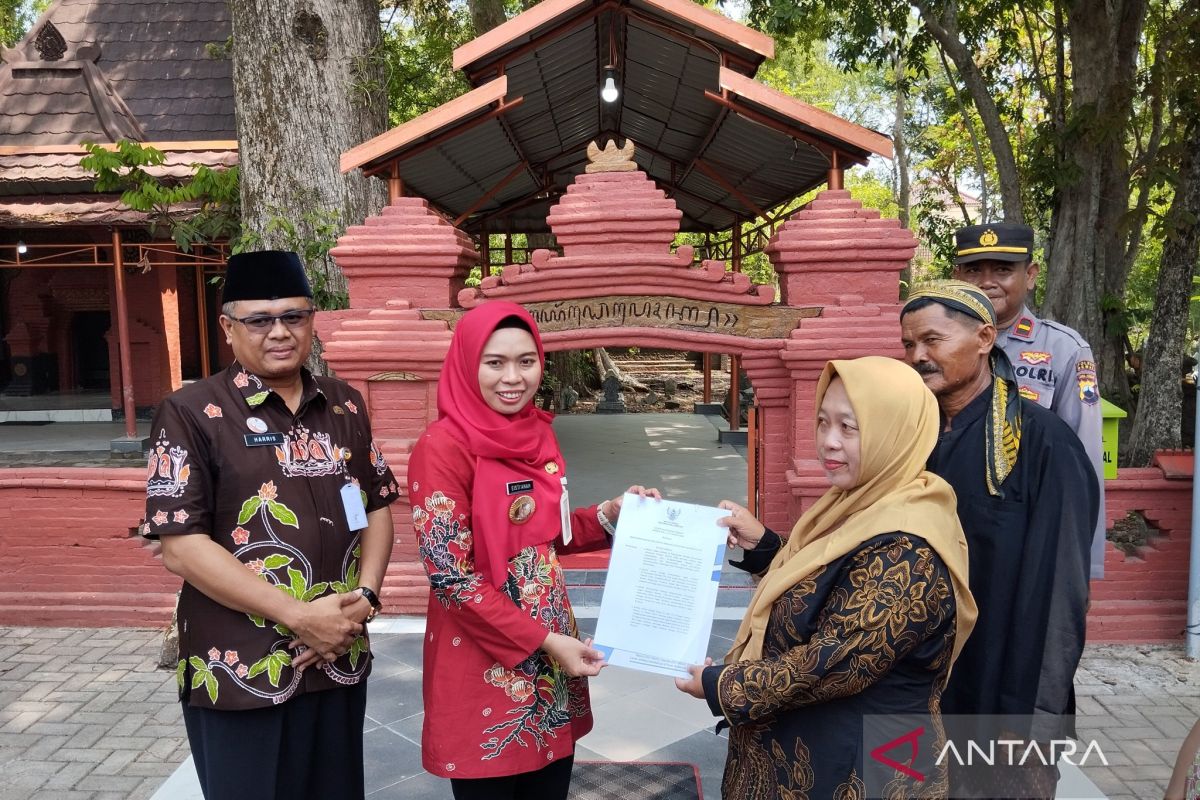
(263, 439)
(564, 511)
(517, 487)
(356, 512)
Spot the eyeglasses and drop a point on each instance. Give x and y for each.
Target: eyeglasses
(261, 323)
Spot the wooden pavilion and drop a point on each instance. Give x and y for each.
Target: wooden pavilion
(94, 311)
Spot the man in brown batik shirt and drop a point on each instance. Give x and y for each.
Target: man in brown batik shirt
(270, 499)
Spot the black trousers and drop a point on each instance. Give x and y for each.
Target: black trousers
(551, 782)
(308, 747)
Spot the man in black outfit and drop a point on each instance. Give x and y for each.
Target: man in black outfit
(1027, 500)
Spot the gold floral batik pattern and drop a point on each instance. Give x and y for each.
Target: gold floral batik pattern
(870, 633)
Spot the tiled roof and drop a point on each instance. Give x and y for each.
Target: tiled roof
(51, 210)
(137, 69)
(20, 173)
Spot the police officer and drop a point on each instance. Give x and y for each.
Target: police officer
(1054, 365)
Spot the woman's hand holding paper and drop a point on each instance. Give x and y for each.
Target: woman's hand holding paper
(695, 684)
(575, 657)
(744, 530)
(612, 508)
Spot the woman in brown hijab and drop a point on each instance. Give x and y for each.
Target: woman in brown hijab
(860, 612)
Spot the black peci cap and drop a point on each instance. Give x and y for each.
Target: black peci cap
(265, 275)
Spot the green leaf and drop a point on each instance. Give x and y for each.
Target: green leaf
(357, 648)
(364, 497)
(257, 620)
(352, 575)
(339, 587)
(298, 584)
(282, 513)
(315, 591)
(198, 678)
(274, 668)
(255, 400)
(198, 663)
(210, 683)
(181, 671)
(276, 561)
(259, 667)
(283, 630)
(249, 509)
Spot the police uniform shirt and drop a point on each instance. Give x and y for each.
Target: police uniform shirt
(1056, 369)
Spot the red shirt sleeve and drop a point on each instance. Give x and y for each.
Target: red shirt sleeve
(586, 533)
(440, 474)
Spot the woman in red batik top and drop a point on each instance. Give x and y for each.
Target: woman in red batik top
(505, 678)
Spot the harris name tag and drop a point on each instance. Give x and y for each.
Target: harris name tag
(263, 439)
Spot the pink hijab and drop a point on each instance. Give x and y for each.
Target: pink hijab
(507, 448)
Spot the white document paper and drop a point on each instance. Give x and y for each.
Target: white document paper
(657, 611)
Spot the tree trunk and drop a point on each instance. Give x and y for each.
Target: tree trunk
(486, 14)
(943, 27)
(308, 85)
(900, 146)
(899, 143)
(1087, 269)
(605, 365)
(985, 212)
(1159, 413)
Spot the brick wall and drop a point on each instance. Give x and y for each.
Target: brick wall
(67, 554)
(1143, 597)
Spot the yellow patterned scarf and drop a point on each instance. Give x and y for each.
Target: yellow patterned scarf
(898, 428)
(1003, 436)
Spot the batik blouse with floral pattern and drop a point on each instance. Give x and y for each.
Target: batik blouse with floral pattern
(869, 634)
(495, 704)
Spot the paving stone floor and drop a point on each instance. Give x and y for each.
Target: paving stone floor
(85, 715)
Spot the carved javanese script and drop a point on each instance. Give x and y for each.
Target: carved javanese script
(675, 313)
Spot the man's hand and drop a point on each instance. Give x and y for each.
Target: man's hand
(356, 612)
(575, 657)
(323, 626)
(744, 530)
(695, 684)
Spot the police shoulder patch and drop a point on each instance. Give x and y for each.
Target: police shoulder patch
(1085, 377)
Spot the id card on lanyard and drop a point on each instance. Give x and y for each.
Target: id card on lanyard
(564, 512)
(352, 502)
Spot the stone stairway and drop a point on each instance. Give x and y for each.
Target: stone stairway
(678, 368)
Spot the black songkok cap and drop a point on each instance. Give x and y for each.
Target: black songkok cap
(999, 241)
(265, 275)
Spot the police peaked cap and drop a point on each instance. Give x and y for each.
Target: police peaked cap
(265, 275)
(998, 241)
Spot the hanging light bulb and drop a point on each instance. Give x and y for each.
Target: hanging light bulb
(609, 93)
(21, 248)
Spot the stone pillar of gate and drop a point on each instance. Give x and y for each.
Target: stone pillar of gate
(406, 258)
(772, 382)
(846, 259)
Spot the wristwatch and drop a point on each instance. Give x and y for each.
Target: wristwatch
(373, 599)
